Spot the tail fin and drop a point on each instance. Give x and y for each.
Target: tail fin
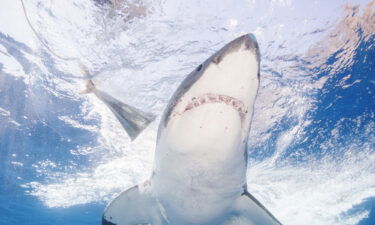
(133, 120)
(89, 84)
(89, 87)
(134, 206)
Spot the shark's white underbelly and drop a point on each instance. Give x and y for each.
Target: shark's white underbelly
(200, 167)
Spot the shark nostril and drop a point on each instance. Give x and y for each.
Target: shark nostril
(217, 59)
(199, 68)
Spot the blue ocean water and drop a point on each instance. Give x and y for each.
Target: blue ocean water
(64, 156)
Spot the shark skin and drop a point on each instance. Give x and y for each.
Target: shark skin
(199, 174)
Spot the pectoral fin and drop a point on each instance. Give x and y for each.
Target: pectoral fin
(248, 210)
(135, 206)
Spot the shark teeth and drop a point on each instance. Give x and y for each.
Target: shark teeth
(238, 105)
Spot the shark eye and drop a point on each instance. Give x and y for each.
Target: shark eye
(199, 68)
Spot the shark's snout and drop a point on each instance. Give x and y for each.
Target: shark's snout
(247, 41)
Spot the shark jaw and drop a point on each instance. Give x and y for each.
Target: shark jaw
(211, 98)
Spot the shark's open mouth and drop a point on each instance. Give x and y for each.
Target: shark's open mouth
(238, 105)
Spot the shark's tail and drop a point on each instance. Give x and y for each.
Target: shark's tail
(133, 120)
(89, 83)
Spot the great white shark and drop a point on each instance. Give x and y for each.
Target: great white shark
(199, 174)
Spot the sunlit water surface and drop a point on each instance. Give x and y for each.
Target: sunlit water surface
(64, 155)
